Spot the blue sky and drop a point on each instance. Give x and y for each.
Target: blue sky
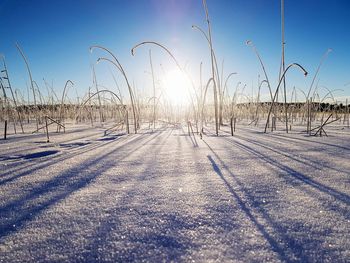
(56, 36)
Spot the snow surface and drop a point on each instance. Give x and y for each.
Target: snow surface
(166, 196)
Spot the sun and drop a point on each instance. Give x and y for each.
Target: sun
(177, 87)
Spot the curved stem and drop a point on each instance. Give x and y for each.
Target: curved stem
(258, 100)
(133, 50)
(13, 96)
(120, 68)
(39, 93)
(31, 81)
(330, 92)
(116, 83)
(318, 69)
(223, 93)
(154, 90)
(101, 91)
(62, 101)
(234, 97)
(157, 44)
(212, 66)
(203, 102)
(277, 89)
(97, 94)
(209, 43)
(225, 86)
(250, 43)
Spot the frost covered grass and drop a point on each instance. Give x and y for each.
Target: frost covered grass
(158, 196)
(246, 180)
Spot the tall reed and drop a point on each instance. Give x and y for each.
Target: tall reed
(31, 82)
(117, 64)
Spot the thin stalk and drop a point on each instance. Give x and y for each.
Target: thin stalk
(154, 90)
(62, 101)
(212, 67)
(31, 81)
(13, 96)
(258, 101)
(277, 89)
(203, 102)
(133, 50)
(284, 66)
(98, 97)
(250, 43)
(318, 69)
(120, 68)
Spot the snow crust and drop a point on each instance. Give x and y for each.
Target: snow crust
(160, 196)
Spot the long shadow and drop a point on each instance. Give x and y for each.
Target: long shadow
(294, 139)
(110, 137)
(14, 214)
(191, 137)
(19, 138)
(30, 155)
(88, 146)
(27, 136)
(44, 163)
(303, 140)
(193, 141)
(307, 161)
(50, 162)
(14, 173)
(295, 174)
(144, 236)
(73, 144)
(65, 143)
(289, 245)
(305, 179)
(273, 243)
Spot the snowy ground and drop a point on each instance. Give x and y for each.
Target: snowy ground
(166, 196)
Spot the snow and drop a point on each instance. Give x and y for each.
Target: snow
(166, 196)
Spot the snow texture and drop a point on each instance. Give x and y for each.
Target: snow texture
(161, 196)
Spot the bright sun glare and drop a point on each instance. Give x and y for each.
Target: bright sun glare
(177, 87)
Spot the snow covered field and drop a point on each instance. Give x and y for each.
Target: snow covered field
(167, 196)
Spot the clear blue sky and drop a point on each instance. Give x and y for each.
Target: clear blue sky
(56, 35)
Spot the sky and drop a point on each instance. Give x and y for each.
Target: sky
(56, 35)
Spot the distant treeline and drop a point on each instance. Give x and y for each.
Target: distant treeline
(54, 107)
(321, 107)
